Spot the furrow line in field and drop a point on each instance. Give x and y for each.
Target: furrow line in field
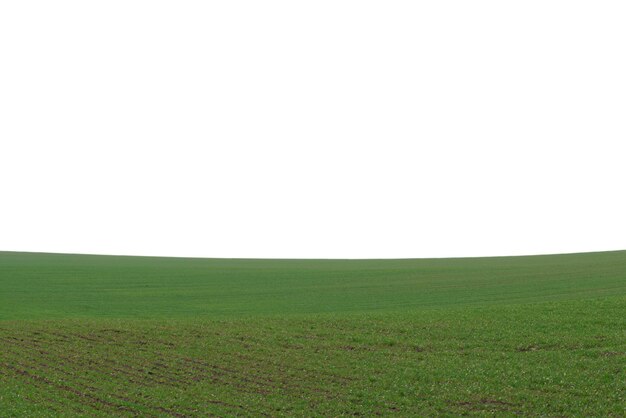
(82, 382)
(283, 384)
(105, 366)
(85, 398)
(78, 382)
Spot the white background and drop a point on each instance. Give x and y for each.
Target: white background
(341, 129)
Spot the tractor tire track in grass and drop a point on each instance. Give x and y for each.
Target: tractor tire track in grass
(72, 384)
(88, 395)
(184, 371)
(74, 379)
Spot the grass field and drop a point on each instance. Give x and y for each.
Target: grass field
(139, 336)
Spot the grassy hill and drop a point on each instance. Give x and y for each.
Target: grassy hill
(80, 286)
(107, 335)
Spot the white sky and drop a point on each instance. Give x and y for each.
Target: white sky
(340, 129)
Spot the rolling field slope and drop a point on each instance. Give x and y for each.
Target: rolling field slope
(138, 336)
(80, 286)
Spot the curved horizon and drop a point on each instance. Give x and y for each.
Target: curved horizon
(315, 258)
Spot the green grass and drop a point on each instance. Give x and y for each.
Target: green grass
(102, 335)
(77, 286)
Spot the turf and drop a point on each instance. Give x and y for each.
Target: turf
(102, 335)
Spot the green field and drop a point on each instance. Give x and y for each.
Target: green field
(139, 336)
